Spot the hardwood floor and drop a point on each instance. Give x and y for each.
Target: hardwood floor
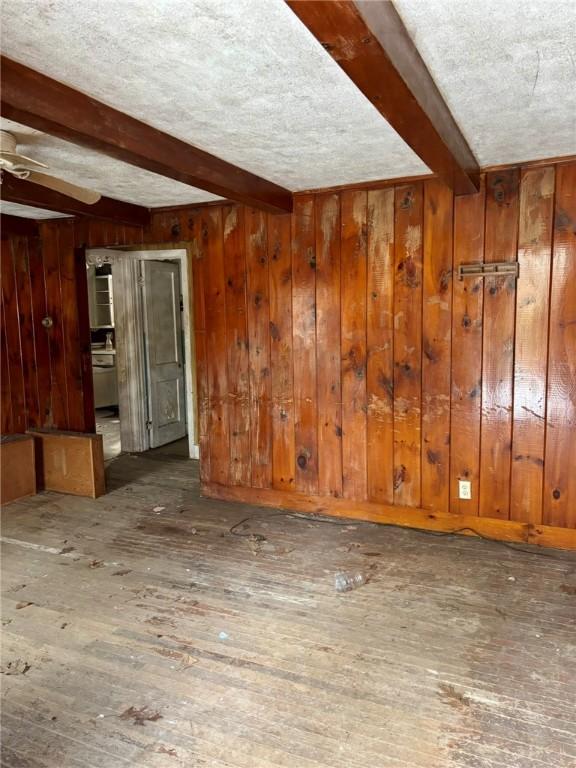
(137, 631)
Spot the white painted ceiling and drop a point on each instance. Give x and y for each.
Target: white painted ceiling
(29, 212)
(507, 70)
(245, 80)
(106, 175)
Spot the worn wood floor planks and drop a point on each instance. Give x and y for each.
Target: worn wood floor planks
(457, 653)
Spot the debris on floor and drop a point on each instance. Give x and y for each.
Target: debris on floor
(140, 716)
(453, 697)
(16, 667)
(223, 636)
(346, 582)
(95, 563)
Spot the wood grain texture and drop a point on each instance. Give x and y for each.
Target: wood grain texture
(399, 515)
(467, 320)
(52, 277)
(436, 345)
(502, 196)
(11, 325)
(22, 288)
(259, 347)
(408, 344)
(18, 476)
(353, 314)
(380, 346)
(423, 638)
(216, 345)
(198, 237)
(281, 355)
(69, 462)
(328, 354)
(531, 345)
(308, 297)
(560, 454)
(304, 343)
(238, 378)
(369, 41)
(71, 328)
(31, 98)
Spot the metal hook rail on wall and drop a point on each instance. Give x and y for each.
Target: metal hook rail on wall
(490, 269)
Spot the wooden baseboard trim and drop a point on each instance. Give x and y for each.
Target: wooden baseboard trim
(409, 517)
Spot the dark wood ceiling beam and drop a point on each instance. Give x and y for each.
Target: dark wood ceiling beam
(33, 99)
(368, 40)
(27, 193)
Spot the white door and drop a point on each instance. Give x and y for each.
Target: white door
(163, 346)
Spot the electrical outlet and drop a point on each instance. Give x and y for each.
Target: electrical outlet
(464, 489)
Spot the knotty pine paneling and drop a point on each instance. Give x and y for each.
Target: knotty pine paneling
(44, 381)
(338, 357)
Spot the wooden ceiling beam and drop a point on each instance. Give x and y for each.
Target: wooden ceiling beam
(368, 40)
(33, 99)
(27, 193)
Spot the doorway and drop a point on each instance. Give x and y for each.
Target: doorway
(142, 354)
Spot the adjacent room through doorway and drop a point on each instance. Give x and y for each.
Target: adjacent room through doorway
(140, 350)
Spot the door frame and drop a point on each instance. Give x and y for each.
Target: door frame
(130, 356)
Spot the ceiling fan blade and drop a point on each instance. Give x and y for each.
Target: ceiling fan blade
(21, 162)
(87, 196)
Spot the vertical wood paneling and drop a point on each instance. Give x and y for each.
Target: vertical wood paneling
(498, 345)
(71, 327)
(216, 345)
(531, 347)
(353, 314)
(333, 355)
(198, 235)
(560, 458)
(26, 323)
(407, 344)
(259, 351)
(436, 345)
(467, 303)
(6, 417)
(380, 346)
(327, 211)
(51, 248)
(282, 374)
(237, 344)
(304, 343)
(12, 331)
(85, 342)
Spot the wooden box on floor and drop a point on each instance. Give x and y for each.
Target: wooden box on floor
(70, 462)
(17, 468)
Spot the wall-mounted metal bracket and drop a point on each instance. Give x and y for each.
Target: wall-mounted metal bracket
(489, 269)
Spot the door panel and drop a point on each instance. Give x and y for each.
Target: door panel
(163, 343)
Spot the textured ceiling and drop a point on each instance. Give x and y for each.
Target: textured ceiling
(242, 79)
(246, 81)
(506, 69)
(28, 212)
(106, 175)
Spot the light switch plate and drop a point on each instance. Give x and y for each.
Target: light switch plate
(464, 489)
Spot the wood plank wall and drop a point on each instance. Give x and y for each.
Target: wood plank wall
(337, 356)
(46, 375)
(375, 375)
